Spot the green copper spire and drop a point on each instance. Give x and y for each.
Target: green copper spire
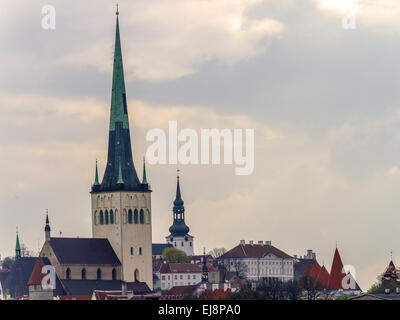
(17, 248)
(119, 111)
(120, 179)
(96, 177)
(144, 172)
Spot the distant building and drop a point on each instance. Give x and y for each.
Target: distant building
(179, 235)
(158, 248)
(257, 261)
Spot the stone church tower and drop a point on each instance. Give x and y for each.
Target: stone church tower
(121, 204)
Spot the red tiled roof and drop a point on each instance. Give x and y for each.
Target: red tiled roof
(173, 267)
(37, 275)
(253, 251)
(337, 274)
(182, 290)
(322, 280)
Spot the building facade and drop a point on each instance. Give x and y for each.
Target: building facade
(257, 261)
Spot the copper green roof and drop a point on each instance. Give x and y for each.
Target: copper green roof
(120, 166)
(144, 181)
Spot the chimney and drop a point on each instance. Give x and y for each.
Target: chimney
(251, 242)
(387, 291)
(295, 256)
(268, 243)
(260, 242)
(314, 256)
(242, 242)
(309, 254)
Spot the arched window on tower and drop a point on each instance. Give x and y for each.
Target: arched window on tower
(106, 217)
(130, 216)
(83, 274)
(111, 217)
(68, 274)
(98, 274)
(114, 274)
(136, 216)
(141, 216)
(101, 217)
(136, 275)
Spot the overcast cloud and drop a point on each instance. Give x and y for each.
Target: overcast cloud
(324, 103)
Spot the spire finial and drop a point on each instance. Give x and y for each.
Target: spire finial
(177, 173)
(117, 13)
(96, 176)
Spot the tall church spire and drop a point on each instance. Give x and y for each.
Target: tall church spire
(144, 181)
(179, 227)
(119, 141)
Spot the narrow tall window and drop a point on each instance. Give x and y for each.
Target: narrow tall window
(136, 216)
(68, 274)
(106, 217)
(83, 274)
(114, 274)
(141, 216)
(130, 216)
(111, 217)
(140, 251)
(98, 274)
(101, 217)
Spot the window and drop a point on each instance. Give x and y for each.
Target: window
(176, 277)
(141, 216)
(83, 274)
(101, 217)
(163, 277)
(106, 217)
(114, 274)
(136, 216)
(188, 276)
(111, 217)
(140, 251)
(190, 243)
(99, 274)
(131, 251)
(194, 277)
(130, 216)
(181, 277)
(182, 244)
(68, 274)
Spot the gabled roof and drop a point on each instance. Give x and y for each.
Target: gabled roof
(157, 248)
(84, 251)
(173, 267)
(322, 280)
(16, 282)
(337, 274)
(183, 291)
(253, 251)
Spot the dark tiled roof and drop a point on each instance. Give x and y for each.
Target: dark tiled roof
(253, 251)
(138, 287)
(16, 283)
(183, 290)
(173, 267)
(157, 248)
(84, 251)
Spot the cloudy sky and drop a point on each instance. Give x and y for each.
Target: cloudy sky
(323, 100)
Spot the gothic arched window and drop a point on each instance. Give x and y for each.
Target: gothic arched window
(111, 217)
(130, 216)
(106, 217)
(83, 274)
(136, 216)
(114, 274)
(101, 217)
(141, 216)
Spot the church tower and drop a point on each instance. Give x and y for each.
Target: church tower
(121, 204)
(179, 232)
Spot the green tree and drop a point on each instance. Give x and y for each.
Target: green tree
(174, 255)
(8, 263)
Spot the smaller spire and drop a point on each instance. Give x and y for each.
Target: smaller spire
(120, 179)
(96, 177)
(204, 270)
(144, 172)
(17, 247)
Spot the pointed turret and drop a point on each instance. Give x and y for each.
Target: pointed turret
(179, 227)
(144, 181)
(337, 272)
(96, 177)
(47, 228)
(119, 142)
(204, 270)
(17, 248)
